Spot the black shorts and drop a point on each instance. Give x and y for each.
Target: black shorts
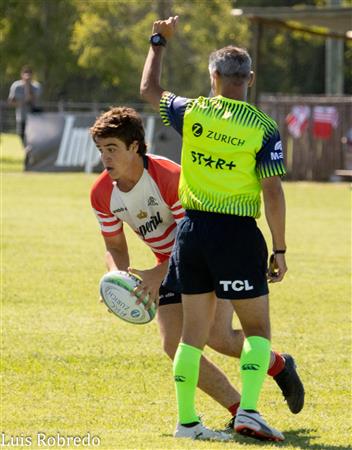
(218, 252)
(167, 297)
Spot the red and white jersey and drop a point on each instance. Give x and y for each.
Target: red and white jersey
(151, 207)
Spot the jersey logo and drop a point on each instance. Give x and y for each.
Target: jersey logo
(217, 163)
(226, 139)
(150, 225)
(277, 153)
(118, 210)
(142, 214)
(197, 129)
(152, 201)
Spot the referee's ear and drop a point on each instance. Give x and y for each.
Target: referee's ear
(251, 79)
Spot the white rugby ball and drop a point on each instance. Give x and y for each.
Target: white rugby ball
(115, 290)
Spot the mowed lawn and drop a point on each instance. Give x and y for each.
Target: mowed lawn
(69, 367)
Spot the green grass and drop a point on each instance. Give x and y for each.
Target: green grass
(70, 367)
(11, 153)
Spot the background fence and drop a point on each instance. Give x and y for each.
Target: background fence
(307, 158)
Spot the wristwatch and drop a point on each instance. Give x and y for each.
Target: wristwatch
(157, 39)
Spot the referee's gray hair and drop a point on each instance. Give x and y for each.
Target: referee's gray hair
(232, 62)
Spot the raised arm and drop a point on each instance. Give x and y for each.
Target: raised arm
(150, 88)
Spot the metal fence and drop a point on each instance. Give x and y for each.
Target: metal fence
(7, 113)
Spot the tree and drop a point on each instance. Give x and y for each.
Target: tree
(38, 33)
(111, 38)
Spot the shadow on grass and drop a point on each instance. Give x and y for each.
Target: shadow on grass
(300, 438)
(303, 438)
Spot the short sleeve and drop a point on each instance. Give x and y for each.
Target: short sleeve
(172, 110)
(110, 225)
(12, 92)
(270, 158)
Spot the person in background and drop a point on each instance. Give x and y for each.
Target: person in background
(24, 95)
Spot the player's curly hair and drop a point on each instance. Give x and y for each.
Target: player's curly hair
(123, 123)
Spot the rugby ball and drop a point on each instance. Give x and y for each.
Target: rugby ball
(115, 290)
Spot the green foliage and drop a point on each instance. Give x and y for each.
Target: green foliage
(112, 39)
(94, 50)
(38, 32)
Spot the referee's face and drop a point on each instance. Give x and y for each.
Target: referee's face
(118, 159)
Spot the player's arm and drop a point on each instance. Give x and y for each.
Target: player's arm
(116, 257)
(275, 212)
(150, 88)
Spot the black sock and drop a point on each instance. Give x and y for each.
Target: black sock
(190, 425)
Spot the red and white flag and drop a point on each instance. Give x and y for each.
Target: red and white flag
(325, 119)
(297, 120)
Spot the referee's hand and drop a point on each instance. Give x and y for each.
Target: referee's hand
(277, 268)
(166, 27)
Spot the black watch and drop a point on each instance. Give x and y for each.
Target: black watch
(157, 39)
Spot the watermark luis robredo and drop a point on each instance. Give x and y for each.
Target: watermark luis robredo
(41, 439)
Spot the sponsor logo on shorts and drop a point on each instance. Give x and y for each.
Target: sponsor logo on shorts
(237, 285)
(250, 367)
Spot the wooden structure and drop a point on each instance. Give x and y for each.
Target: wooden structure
(308, 158)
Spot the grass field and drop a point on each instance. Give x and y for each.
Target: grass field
(69, 367)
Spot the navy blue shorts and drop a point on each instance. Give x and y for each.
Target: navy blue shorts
(167, 297)
(218, 252)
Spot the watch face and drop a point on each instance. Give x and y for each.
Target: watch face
(156, 39)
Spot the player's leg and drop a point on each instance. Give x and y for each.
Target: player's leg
(198, 314)
(188, 273)
(282, 368)
(212, 380)
(254, 362)
(223, 338)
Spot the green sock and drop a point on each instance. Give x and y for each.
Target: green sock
(186, 374)
(254, 363)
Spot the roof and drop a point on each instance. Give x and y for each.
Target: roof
(328, 21)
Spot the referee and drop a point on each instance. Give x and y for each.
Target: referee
(231, 153)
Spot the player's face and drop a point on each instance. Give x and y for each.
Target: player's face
(117, 158)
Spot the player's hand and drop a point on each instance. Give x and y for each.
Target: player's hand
(166, 27)
(149, 286)
(277, 268)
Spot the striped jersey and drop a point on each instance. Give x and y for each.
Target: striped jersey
(151, 208)
(228, 147)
